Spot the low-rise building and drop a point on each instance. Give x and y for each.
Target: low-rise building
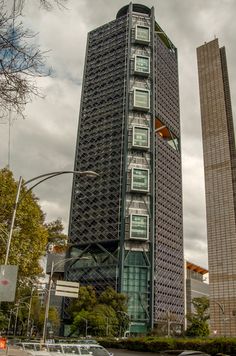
(196, 284)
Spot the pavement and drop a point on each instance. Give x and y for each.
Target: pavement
(12, 352)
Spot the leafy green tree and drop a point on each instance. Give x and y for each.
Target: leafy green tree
(104, 321)
(53, 318)
(56, 237)
(199, 319)
(86, 300)
(105, 314)
(30, 235)
(3, 321)
(101, 321)
(119, 302)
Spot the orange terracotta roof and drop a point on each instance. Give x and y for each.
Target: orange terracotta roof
(196, 268)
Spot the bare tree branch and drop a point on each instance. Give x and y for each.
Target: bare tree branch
(49, 4)
(45, 4)
(21, 62)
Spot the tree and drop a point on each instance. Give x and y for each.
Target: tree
(56, 238)
(21, 62)
(30, 234)
(105, 314)
(3, 321)
(53, 318)
(199, 325)
(119, 302)
(49, 4)
(101, 321)
(87, 299)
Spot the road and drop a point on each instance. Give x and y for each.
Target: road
(118, 352)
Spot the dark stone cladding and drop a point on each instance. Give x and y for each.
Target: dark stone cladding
(167, 86)
(168, 247)
(95, 206)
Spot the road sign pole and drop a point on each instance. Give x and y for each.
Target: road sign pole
(47, 304)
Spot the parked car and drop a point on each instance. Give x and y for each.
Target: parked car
(38, 353)
(39, 349)
(67, 349)
(96, 350)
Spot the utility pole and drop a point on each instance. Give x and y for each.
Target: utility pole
(168, 323)
(30, 305)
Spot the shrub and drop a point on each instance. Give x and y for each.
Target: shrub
(211, 346)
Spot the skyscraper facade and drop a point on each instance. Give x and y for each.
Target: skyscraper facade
(126, 225)
(220, 185)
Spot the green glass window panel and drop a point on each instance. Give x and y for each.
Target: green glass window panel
(136, 258)
(141, 98)
(142, 64)
(140, 137)
(142, 33)
(140, 179)
(174, 143)
(139, 226)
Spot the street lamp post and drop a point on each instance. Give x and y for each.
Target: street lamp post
(30, 306)
(41, 178)
(128, 319)
(86, 326)
(18, 305)
(222, 309)
(9, 322)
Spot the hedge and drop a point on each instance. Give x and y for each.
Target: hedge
(210, 346)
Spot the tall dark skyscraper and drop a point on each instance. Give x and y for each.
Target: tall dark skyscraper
(220, 184)
(126, 225)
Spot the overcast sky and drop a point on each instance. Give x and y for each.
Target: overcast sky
(45, 141)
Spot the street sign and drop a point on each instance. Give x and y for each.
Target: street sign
(8, 278)
(67, 289)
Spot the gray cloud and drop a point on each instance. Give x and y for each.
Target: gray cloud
(45, 141)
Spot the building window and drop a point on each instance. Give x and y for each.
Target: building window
(140, 137)
(141, 99)
(140, 180)
(139, 227)
(142, 65)
(142, 34)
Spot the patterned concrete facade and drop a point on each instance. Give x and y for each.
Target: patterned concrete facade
(219, 166)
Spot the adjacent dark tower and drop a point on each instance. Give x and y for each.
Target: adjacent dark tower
(220, 184)
(126, 225)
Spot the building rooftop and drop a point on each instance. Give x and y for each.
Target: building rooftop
(136, 8)
(191, 266)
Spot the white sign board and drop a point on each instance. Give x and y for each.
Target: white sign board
(67, 289)
(8, 278)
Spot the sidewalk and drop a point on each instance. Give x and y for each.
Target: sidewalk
(12, 352)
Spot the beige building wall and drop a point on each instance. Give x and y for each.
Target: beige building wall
(219, 166)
